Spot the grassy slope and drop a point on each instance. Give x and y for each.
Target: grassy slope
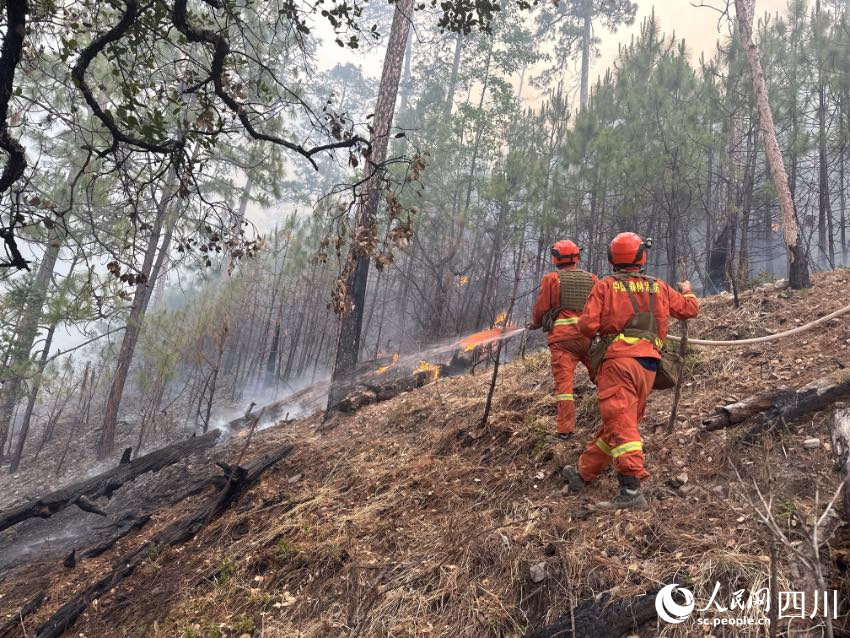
(409, 520)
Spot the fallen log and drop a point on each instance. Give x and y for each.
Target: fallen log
(774, 407)
(840, 430)
(127, 524)
(273, 412)
(740, 411)
(789, 406)
(181, 530)
(83, 493)
(602, 619)
(132, 521)
(364, 393)
(10, 627)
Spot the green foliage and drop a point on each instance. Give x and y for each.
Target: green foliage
(285, 550)
(226, 571)
(243, 624)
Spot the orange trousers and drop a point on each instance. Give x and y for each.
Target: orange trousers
(566, 355)
(623, 386)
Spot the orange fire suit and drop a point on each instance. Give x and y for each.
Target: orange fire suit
(567, 346)
(626, 375)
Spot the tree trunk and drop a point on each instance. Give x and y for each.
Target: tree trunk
(75, 424)
(19, 358)
(826, 242)
(485, 417)
(356, 271)
(222, 341)
(841, 448)
(798, 267)
(842, 197)
(33, 396)
(742, 267)
(742, 410)
(587, 35)
(450, 96)
(151, 266)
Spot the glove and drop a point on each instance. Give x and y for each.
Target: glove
(531, 326)
(685, 287)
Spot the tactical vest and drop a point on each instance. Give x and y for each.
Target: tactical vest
(642, 325)
(575, 288)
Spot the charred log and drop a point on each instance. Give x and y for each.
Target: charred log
(83, 493)
(355, 396)
(740, 411)
(771, 409)
(177, 532)
(273, 411)
(791, 405)
(128, 524)
(602, 619)
(14, 623)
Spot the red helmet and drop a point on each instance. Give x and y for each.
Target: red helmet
(628, 250)
(565, 253)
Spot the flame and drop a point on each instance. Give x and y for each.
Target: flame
(383, 369)
(462, 281)
(501, 318)
(424, 366)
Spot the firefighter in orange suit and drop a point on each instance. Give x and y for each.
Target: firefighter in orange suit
(559, 304)
(630, 312)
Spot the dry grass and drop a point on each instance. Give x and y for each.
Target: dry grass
(411, 521)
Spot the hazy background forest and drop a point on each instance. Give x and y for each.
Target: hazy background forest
(172, 257)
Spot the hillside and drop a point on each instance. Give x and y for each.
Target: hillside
(407, 519)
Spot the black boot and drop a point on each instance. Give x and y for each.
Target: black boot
(629, 497)
(573, 479)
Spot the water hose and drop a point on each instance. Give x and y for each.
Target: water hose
(773, 337)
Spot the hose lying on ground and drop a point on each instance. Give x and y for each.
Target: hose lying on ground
(773, 337)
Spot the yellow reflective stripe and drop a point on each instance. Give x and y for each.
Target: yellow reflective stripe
(569, 321)
(602, 445)
(564, 397)
(631, 446)
(689, 294)
(633, 340)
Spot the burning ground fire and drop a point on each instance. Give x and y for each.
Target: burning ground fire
(424, 366)
(383, 369)
(500, 330)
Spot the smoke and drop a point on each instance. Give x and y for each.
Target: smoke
(291, 400)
